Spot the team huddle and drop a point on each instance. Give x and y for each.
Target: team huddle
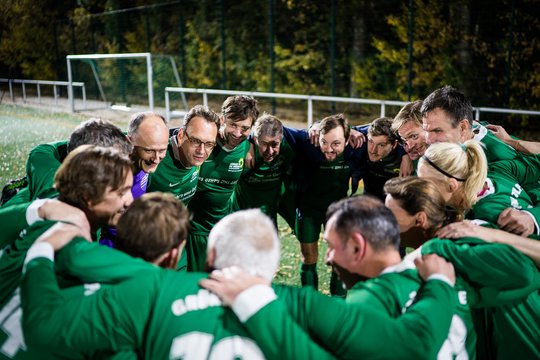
(162, 242)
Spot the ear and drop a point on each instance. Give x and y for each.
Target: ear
(453, 185)
(211, 258)
(221, 120)
(464, 125)
(395, 144)
(421, 219)
(180, 136)
(130, 138)
(358, 244)
(169, 260)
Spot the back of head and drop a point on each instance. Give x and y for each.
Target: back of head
(240, 107)
(154, 224)
(334, 121)
(88, 172)
(382, 127)
(456, 105)
(367, 215)
(203, 112)
(268, 125)
(410, 112)
(465, 162)
(415, 195)
(100, 133)
(137, 119)
(247, 239)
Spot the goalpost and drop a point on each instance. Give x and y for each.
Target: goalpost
(122, 80)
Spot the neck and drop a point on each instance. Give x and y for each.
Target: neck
(376, 262)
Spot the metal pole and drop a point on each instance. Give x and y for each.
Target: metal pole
(271, 50)
(333, 51)
(383, 109)
(11, 90)
(38, 92)
(150, 83)
(83, 89)
(309, 112)
(167, 109)
(24, 92)
(223, 59)
(410, 34)
(55, 92)
(205, 99)
(70, 87)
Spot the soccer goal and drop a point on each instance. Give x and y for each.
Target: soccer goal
(123, 81)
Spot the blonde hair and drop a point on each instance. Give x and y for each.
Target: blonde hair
(415, 194)
(466, 163)
(410, 112)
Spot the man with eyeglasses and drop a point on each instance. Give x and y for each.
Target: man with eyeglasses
(188, 148)
(219, 174)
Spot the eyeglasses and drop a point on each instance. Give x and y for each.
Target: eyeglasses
(194, 142)
(153, 152)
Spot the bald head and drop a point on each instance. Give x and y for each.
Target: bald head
(149, 134)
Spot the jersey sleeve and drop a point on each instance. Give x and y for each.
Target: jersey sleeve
(91, 262)
(353, 331)
(110, 319)
(13, 220)
(43, 162)
(498, 273)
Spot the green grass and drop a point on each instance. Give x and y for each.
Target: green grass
(22, 128)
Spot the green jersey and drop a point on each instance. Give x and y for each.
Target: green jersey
(504, 189)
(13, 220)
(173, 177)
(353, 332)
(507, 283)
(395, 290)
(162, 314)
(494, 148)
(165, 314)
(218, 176)
(41, 166)
(260, 186)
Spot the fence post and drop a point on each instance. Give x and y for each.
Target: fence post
(150, 82)
(24, 92)
(38, 92)
(11, 90)
(205, 99)
(70, 86)
(383, 109)
(309, 111)
(167, 109)
(55, 92)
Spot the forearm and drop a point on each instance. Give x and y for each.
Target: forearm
(529, 247)
(525, 147)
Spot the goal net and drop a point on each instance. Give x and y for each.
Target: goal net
(129, 81)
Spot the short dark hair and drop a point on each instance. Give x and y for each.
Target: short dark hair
(454, 103)
(240, 107)
(167, 229)
(99, 132)
(87, 173)
(383, 126)
(201, 111)
(367, 215)
(333, 121)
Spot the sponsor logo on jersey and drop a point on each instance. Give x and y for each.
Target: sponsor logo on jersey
(236, 167)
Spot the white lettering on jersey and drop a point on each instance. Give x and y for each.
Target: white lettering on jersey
(89, 289)
(201, 300)
(196, 345)
(10, 323)
(462, 297)
(453, 347)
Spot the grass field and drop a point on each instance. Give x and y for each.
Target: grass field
(22, 128)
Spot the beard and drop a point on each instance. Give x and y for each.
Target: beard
(348, 278)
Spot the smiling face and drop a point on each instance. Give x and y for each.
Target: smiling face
(150, 144)
(232, 133)
(113, 204)
(197, 141)
(332, 143)
(268, 146)
(414, 139)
